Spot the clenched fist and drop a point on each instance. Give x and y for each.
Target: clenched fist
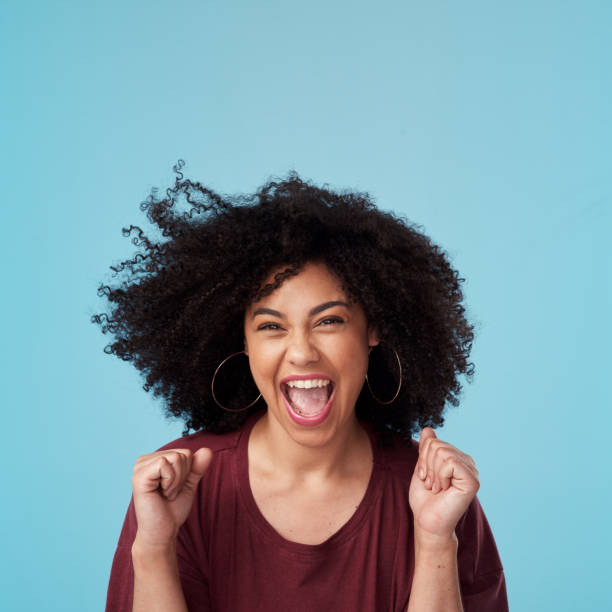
(444, 483)
(164, 484)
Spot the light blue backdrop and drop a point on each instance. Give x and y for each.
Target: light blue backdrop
(488, 123)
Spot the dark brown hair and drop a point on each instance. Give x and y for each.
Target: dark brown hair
(176, 308)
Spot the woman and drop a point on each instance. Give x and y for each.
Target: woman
(305, 336)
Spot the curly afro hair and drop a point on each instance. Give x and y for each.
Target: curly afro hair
(177, 308)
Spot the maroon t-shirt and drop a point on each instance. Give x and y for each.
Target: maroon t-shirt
(232, 560)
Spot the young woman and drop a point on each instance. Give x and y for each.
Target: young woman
(305, 336)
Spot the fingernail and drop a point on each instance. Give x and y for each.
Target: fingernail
(421, 473)
(428, 482)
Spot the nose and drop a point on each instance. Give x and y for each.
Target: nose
(300, 349)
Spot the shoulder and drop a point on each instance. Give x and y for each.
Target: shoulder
(398, 457)
(204, 439)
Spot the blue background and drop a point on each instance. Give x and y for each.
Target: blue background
(488, 123)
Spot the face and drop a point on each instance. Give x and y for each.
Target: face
(308, 351)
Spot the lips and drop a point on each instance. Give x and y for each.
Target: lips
(308, 398)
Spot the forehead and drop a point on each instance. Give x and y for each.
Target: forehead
(314, 281)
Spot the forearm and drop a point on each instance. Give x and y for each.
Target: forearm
(435, 584)
(157, 587)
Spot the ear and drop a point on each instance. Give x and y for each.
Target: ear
(373, 337)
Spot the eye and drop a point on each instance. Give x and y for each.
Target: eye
(329, 321)
(269, 326)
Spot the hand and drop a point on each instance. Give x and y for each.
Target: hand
(164, 484)
(444, 483)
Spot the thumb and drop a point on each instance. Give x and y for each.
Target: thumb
(426, 433)
(199, 464)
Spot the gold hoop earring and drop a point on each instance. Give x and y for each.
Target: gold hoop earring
(399, 364)
(212, 387)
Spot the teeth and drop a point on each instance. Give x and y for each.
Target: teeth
(308, 384)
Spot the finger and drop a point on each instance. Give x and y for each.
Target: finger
(427, 433)
(175, 461)
(180, 463)
(145, 461)
(445, 474)
(426, 437)
(468, 460)
(201, 461)
(436, 447)
(165, 473)
(443, 454)
(454, 472)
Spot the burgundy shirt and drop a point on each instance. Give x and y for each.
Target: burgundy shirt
(232, 560)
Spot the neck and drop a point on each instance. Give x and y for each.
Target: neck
(274, 450)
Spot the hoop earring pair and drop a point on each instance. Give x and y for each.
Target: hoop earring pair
(377, 399)
(399, 365)
(212, 387)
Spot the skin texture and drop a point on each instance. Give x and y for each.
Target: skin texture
(443, 484)
(308, 480)
(334, 342)
(164, 484)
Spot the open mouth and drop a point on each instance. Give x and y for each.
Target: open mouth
(308, 398)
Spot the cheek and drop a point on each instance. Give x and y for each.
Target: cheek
(353, 359)
(263, 366)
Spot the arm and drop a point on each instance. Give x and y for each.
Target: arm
(164, 484)
(443, 485)
(435, 584)
(157, 587)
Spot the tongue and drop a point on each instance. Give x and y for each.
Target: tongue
(308, 401)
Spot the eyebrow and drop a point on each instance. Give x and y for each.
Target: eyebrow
(314, 311)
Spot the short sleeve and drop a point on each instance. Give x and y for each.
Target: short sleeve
(120, 594)
(191, 570)
(481, 575)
